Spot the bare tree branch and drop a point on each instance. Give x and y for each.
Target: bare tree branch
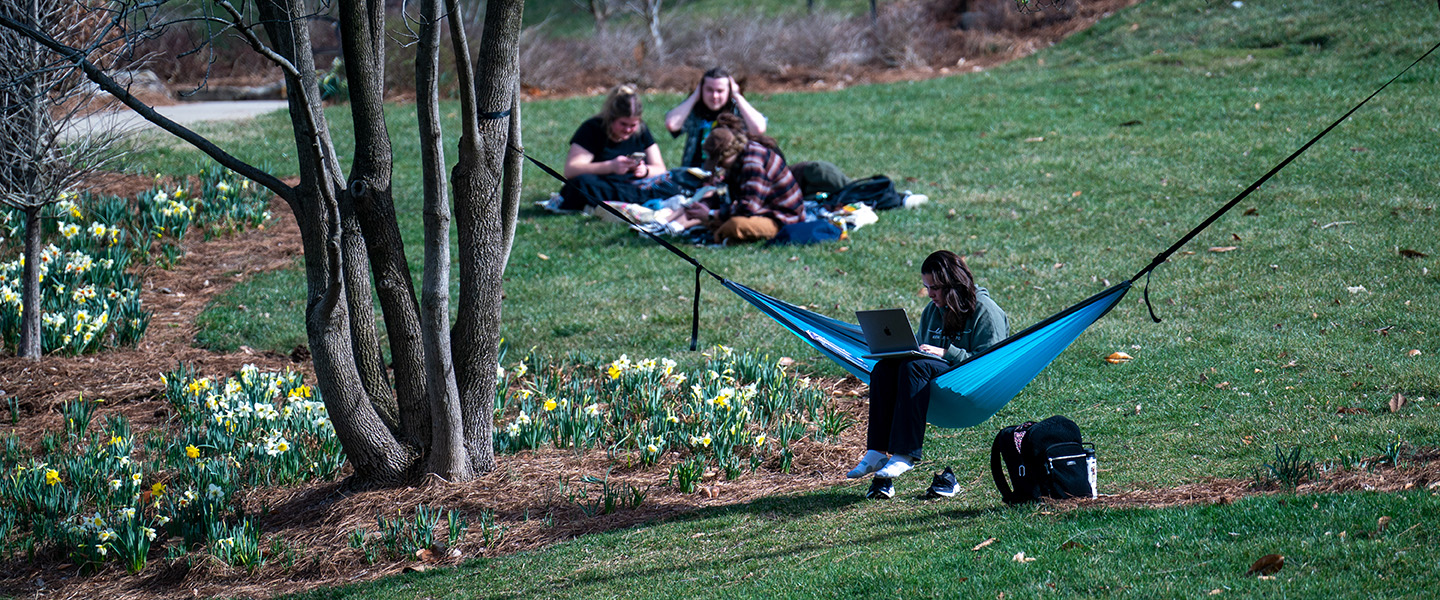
(109, 85)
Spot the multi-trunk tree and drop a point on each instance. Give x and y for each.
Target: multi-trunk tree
(432, 413)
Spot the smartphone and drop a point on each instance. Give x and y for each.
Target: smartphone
(637, 157)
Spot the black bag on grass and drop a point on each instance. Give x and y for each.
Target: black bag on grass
(1043, 459)
(878, 191)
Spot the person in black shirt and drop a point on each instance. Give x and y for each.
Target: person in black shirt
(610, 154)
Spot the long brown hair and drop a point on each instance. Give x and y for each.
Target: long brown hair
(957, 287)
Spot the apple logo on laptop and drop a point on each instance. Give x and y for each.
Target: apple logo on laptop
(887, 332)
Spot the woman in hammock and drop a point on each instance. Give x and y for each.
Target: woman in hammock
(960, 320)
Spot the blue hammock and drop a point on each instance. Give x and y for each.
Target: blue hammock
(972, 391)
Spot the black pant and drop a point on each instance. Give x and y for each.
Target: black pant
(589, 190)
(899, 401)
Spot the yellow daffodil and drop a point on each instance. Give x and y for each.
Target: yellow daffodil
(192, 452)
(52, 477)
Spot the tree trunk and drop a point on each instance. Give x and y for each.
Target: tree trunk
(363, 29)
(30, 305)
(481, 220)
(448, 456)
(375, 454)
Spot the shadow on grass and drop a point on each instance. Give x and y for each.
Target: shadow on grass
(786, 508)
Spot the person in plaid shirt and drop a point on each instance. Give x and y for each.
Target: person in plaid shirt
(763, 194)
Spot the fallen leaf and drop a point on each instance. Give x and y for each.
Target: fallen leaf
(1071, 545)
(785, 361)
(1218, 249)
(543, 257)
(1250, 212)
(794, 258)
(1021, 558)
(1396, 402)
(1381, 524)
(843, 249)
(1408, 253)
(1356, 289)
(415, 569)
(1035, 139)
(983, 544)
(1413, 352)
(1116, 358)
(1235, 236)
(1267, 565)
(1075, 194)
(425, 555)
(1349, 410)
(1216, 592)
(1224, 385)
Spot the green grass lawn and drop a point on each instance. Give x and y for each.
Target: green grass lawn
(836, 545)
(1150, 120)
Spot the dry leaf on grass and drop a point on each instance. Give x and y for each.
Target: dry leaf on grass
(542, 256)
(983, 544)
(1218, 249)
(1021, 558)
(1408, 253)
(1116, 358)
(1397, 402)
(1413, 352)
(1267, 565)
(1381, 524)
(1350, 410)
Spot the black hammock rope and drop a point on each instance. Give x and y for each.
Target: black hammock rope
(1159, 259)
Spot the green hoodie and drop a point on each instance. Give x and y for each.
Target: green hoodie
(986, 326)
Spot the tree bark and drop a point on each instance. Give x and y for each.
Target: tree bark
(448, 456)
(362, 28)
(30, 306)
(480, 222)
(377, 457)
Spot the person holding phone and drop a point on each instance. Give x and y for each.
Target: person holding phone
(716, 94)
(610, 154)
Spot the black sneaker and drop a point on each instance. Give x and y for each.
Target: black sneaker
(881, 489)
(944, 485)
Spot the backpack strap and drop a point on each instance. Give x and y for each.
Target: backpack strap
(997, 471)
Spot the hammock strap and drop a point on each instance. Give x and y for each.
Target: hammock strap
(1163, 256)
(695, 316)
(699, 268)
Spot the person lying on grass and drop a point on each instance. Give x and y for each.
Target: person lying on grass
(611, 154)
(960, 320)
(716, 94)
(763, 194)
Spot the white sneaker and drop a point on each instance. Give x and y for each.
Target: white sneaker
(897, 466)
(552, 205)
(873, 461)
(914, 200)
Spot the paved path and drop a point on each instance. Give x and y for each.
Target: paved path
(185, 114)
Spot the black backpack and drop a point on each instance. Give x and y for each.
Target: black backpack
(878, 191)
(1043, 459)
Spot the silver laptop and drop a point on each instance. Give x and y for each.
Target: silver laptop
(888, 334)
